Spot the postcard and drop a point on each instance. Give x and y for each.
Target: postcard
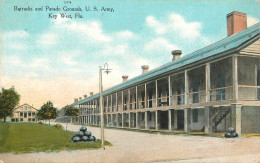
(129, 81)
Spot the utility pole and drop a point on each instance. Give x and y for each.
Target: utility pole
(101, 107)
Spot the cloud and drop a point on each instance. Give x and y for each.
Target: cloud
(15, 35)
(47, 39)
(113, 50)
(92, 30)
(252, 21)
(126, 35)
(69, 61)
(43, 63)
(175, 24)
(12, 60)
(16, 46)
(65, 63)
(68, 57)
(186, 29)
(160, 44)
(158, 27)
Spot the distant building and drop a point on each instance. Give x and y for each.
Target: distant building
(62, 118)
(209, 90)
(24, 113)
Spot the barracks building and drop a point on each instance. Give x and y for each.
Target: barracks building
(209, 90)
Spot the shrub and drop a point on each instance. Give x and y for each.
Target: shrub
(40, 122)
(58, 126)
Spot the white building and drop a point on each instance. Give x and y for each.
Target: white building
(24, 113)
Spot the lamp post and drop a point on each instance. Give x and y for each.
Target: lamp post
(106, 70)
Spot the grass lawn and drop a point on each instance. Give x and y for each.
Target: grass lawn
(33, 137)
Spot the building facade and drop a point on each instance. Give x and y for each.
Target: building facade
(24, 113)
(209, 90)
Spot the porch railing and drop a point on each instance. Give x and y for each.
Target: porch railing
(248, 92)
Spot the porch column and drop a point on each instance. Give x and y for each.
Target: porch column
(187, 120)
(137, 119)
(107, 120)
(111, 107)
(107, 105)
(156, 120)
(122, 108)
(156, 94)
(117, 121)
(236, 117)
(175, 120)
(146, 120)
(116, 104)
(208, 121)
(136, 98)
(207, 77)
(145, 96)
(170, 127)
(112, 120)
(122, 119)
(186, 87)
(235, 77)
(128, 99)
(129, 118)
(170, 90)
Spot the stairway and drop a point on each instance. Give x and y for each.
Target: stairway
(220, 116)
(217, 116)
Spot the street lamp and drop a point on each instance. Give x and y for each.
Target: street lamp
(106, 70)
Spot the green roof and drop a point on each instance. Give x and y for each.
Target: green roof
(230, 43)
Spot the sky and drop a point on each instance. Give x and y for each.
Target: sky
(53, 58)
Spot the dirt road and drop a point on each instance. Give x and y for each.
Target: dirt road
(143, 147)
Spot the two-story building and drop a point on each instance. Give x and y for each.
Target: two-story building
(209, 90)
(24, 113)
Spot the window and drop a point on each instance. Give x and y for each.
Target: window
(29, 114)
(25, 115)
(26, 108)
(33, 114)
(13, 120)
(21, 114)
(21, 119)
(29, 119)
(195, 115)
(33, 119)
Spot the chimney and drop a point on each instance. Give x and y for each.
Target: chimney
(176, 54)
(75, 99)
(85, 96)
(124, 77)
(236, 22)
(80, 98)
(145, 68)
(91, 93)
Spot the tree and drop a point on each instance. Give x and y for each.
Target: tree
(40, 115)
(47, 111)
(9, 98)
(72, 112)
